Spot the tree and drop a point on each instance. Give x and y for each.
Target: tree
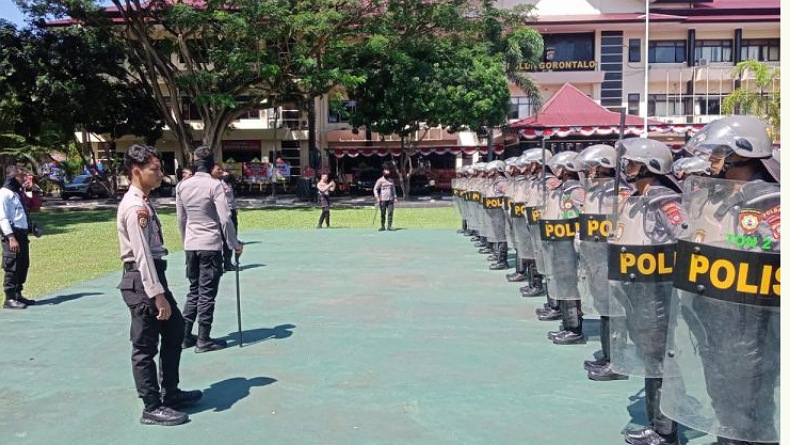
(60, 81)
(220, 57)
(762, 99)
(422, 68)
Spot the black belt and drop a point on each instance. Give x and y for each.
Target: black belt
(132, 265)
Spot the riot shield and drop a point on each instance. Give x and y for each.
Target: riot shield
(507, 206)
(723, 347)
(518, 208)
(532, 211)
(594, 228)
(558, 226)
(640, 286)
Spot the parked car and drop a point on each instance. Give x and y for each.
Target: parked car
(87, 186)
(421, 184)
(365, 180)
(166, 188)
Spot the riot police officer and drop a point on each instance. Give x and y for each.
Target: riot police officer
(724, 339)
(519, 227)
(534, 159)
(598, 162)
(641, 253)
(559, 222)
(493, 205)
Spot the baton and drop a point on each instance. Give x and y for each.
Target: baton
(618, 173)
(375, 211)
(238, 301)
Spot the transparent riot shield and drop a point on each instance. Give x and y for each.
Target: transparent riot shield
(594, 228)
(521, 233)
(558, 227)
(640, 270)
(493, 207)
(723, 348)
(532, 210)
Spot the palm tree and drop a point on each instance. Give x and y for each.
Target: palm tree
(760, 98)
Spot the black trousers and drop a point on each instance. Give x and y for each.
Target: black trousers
(204, 269)
(144, 334)
(387, 207)
(16, 265)
(227, 252)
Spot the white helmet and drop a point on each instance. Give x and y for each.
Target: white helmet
(536, 155)
(594, 156)
(656, 156)
(495, 166)
(746, 136)
(561, 161)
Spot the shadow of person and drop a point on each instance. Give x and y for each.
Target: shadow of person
(65, 298)
(223, 395)
(253, 336)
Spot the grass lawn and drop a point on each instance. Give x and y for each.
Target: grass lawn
(82, 244)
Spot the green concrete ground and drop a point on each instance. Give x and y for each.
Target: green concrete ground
(352, 337)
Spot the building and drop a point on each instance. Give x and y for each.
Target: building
(692, 47)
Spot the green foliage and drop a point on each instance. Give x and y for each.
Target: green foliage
(759, 97)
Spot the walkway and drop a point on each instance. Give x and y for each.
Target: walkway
(351, 337)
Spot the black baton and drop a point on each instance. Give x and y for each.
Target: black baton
(238, 300)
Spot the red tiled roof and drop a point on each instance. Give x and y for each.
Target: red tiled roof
(569, 107)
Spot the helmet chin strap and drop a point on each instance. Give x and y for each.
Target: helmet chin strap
(642, 174)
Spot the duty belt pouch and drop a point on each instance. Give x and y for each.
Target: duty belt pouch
(131, 288)
(9, 260)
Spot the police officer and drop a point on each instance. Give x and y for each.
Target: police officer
(15, 225)
(533, 202)
(144, 289)
(598, 162)
(641, 253)
(558, 224)
(725, 341)
(494, 208)
(204, 221)
(522, 243)
(386, 197)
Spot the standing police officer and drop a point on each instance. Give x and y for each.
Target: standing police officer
(725, 322)
(641, 257)
(15, 225)
(144, 289)
(204, 221)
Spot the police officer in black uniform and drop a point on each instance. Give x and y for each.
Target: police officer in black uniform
(153, 309)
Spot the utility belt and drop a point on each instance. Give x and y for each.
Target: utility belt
(18, 233)
(131, 266)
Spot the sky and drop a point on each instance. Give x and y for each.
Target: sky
(9, 11)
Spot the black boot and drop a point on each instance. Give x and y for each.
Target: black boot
(163, 416)
(606, 351)
(604, 374)
(662, 429)
(572, 322)
(501, 257)
(11, 301)
(205, 343)
(180, 399)
(536, 288)
(190, 339)
(321, 219)
(492, 257)
(550, 314)
(22, 299)
(521, 272)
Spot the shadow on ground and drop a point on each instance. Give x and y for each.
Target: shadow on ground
(221, 396)
(58, 299)
(254, 336)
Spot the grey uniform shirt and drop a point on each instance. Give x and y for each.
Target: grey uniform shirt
(229, 195)
(140, 236)
(384, 190)
(203, 214)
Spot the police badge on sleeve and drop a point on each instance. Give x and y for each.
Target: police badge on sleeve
(142, 218)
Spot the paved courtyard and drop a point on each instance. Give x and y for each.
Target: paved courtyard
(351, 337)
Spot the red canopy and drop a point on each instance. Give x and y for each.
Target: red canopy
(569, 112)
(353, 152)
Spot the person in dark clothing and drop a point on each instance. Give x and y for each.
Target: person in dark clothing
(15, 226)
(144, 289)
(325, 187)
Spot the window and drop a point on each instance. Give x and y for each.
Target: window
(633, 104)
(713, 50)
(336, 117)
(766, 50)
(189, 110)
(708, 105)
(667, 51)
(520, 107)
(663, 105)
(634, 50)
(251, 114)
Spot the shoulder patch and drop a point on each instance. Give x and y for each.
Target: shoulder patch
(772, 217)
(142, 218)
(672, 210)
